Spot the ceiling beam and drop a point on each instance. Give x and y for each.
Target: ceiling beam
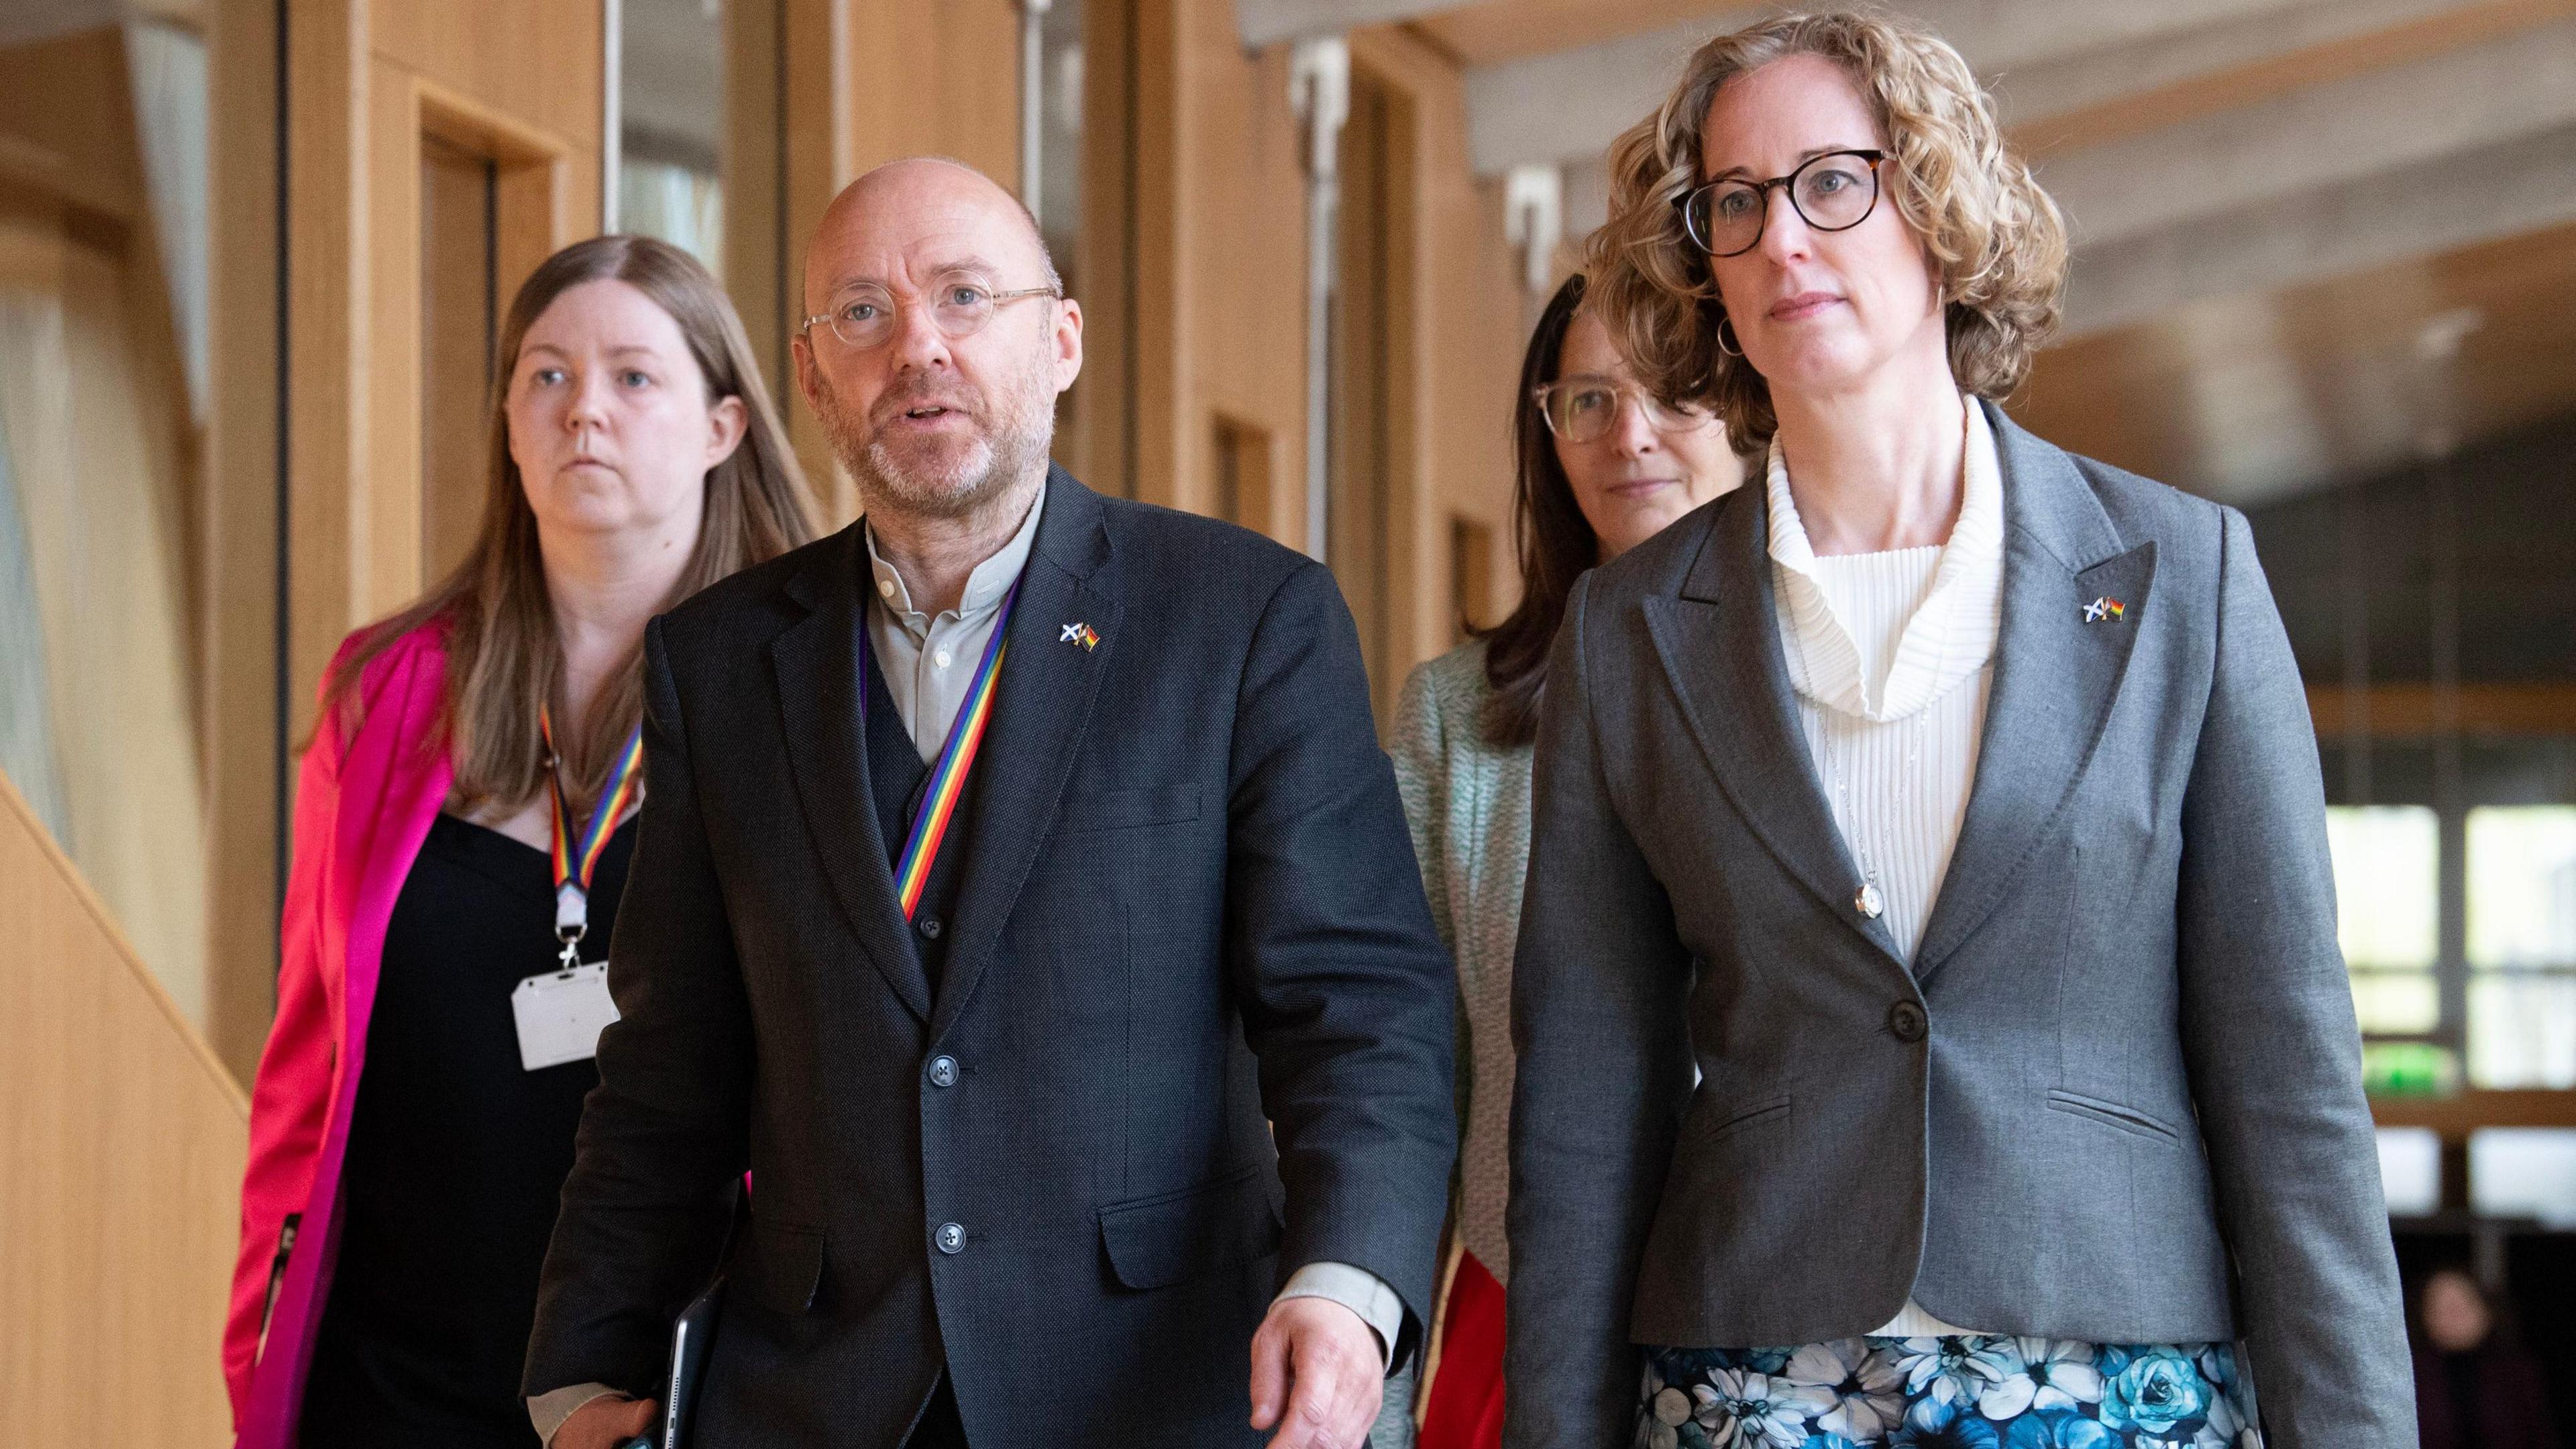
(2273, 57)
(1571, 104)
(1267, 22)
(2433, 205)
(2361, 128)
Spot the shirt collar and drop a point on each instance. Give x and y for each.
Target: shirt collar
(985, 586)
(1951, 636)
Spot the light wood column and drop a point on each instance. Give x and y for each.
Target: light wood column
(245, 754)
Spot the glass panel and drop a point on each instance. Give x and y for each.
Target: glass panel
(2387, 882)
(2522, 1031)
(2524, 1172)
(2522, 886)
(671, 105)
(103, 383)
(2410, 1167)
(2396, 1003)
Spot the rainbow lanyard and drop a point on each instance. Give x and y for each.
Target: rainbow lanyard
(577, 857)
(956, 758)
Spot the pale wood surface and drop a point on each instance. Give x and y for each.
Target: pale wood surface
(121, 1147)
(457, 321)
(95, 419)
(239, 542)
(1460, 316)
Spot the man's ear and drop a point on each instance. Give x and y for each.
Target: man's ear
(806, 378)
(1068, 343)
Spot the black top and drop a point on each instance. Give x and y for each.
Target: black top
(456, 1155)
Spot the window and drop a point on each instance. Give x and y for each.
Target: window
(671, 104)
(2388, 904)
(2522, 945)
(2524, 1172)
(2410, 1167)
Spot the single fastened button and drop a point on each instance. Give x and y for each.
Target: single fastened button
(942, 658)
(943, 1071)
(929, 926)
(952, 1238)
(885, 588)
(1906, 1020)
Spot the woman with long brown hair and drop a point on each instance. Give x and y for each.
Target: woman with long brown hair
(462, 827)
(1600, 466)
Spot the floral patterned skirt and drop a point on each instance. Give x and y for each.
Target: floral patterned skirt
(1948, 1393)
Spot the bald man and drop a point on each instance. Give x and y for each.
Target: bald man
(1023, 899)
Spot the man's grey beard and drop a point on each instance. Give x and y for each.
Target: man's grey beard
(1015, 449)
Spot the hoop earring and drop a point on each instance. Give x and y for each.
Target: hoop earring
(1726, 336)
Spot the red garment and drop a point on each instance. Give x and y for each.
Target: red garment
(1465, 1410)
(363, 805)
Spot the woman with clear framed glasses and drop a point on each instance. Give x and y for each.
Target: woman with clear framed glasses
(1601, 467)
(1930, 1023)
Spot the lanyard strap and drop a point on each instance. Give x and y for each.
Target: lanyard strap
(956, 759)
(576, 856)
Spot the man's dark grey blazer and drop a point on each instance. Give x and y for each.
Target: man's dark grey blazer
(1187, 903)
(2117, 1095)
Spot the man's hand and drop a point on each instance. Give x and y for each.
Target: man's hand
(1317, 1373)
(604, 1423)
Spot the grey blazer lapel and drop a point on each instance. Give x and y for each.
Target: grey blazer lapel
(816, 663)
(1720, 648)
(2056, 676)
(1041, 711)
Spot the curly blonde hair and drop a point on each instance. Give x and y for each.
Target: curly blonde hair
(1994, 236)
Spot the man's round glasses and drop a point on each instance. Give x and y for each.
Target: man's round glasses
(960, 303)
(1833, 192)
(1581, 408)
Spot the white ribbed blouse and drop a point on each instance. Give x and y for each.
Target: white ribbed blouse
(1891, 656)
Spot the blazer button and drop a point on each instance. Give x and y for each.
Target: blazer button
(929, 926)
(1906, 1020)
(952, 1238)
(943, 1071)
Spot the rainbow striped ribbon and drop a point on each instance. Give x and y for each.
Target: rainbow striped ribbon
(576, 857)
(956, 759)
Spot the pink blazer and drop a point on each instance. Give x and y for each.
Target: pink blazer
(363, 805)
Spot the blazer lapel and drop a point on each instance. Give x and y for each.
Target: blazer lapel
(819, 689)
(1720, 648)
(2056, 677)
(1041, 711)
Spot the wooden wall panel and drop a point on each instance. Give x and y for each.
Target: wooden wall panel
(239, 547)
(1467, 317)
(457, 277)
(124, 1138)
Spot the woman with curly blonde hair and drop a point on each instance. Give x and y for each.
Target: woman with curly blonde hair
(1930, 1024)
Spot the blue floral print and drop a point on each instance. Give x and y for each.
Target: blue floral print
(1947, 1393)
(2158, 1390)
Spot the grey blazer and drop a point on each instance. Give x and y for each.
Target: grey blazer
(2117, 1095)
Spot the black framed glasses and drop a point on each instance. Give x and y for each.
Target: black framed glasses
(960, 304)
(1581, 407)
(1832, 192)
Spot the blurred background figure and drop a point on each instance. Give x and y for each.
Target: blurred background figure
(2476, 1387)
(1599, 466)
(463, 829)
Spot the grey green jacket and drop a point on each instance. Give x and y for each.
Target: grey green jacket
(1467, 801)
(2116, 1098)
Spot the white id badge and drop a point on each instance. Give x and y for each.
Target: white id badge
(561, 1015)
